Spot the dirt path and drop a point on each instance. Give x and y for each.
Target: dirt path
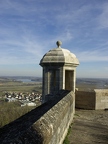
(89, 127)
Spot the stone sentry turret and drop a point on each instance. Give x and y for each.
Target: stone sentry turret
(59, 71)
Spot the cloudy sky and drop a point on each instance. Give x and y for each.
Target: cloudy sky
(30, 28)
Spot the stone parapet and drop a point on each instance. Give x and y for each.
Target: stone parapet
(85, 99)
(101, 98)
(47, 124)
(96, 99)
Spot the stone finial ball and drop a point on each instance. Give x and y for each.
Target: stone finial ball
(59, 43)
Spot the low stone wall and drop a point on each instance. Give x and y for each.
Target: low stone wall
(47, 124)
(96, 99)
(101, 98)
(85, 99)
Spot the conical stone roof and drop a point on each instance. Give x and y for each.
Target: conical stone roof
(59, 55)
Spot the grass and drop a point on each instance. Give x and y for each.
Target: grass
(77, 115)
(66, 141)
(19, 87)
(11, 111)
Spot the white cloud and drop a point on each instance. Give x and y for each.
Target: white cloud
(103, 17)
(106, 68)
(95, 55)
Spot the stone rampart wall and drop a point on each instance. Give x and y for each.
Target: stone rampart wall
(85, 99)
(101, 98)
(96, 99)
(47, 124)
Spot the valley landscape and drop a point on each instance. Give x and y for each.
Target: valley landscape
(20, 91)
(29, 86)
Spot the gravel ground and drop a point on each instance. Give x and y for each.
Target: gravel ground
(89, 127)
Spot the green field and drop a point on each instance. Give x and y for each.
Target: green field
(11, 111)
(91, 83)
(10, 86)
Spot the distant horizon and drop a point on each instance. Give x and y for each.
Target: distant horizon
(41, 77)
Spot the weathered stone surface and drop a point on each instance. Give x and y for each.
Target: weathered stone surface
(59, 71)
(59, 55)
(47, 124)
(97, 99)
(101, 98)
(85, 99)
